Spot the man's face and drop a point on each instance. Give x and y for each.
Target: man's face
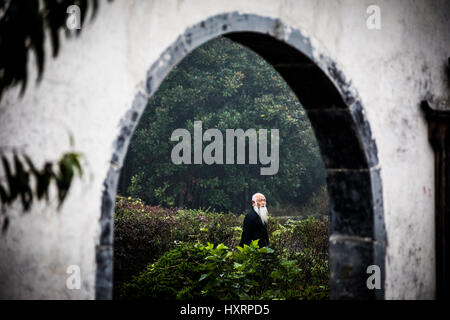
(260, 201)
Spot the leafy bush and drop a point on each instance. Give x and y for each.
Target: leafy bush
(175, 275)
(197, 271)
(160, 253)
(298, 235)
(143, 233)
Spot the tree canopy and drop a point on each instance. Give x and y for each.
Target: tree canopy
(224, 85)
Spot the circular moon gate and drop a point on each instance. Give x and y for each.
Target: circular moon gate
(349, 153)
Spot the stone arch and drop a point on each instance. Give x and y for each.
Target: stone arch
(357, 231)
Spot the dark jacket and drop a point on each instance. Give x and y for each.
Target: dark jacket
(254, 229)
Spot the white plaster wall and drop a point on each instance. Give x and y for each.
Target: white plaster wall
(90, 85)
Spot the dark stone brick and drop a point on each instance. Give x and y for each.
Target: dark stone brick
(378, 208)
(340, 80)
(104, 275)
(106, 232)
(351, 205)
(115, 157)
(379, 260)
(149, 84)
(348, 262)
(107, 207)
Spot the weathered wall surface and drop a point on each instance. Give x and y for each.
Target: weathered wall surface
(88, 88)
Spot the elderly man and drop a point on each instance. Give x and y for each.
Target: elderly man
(255, 222)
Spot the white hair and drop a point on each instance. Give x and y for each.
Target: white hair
(262, 213)
(256, 194)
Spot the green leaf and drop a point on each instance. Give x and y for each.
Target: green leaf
(266, 250)
(254, 243)
(221, 246)
(238, 266)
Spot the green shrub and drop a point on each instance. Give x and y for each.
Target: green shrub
(159, 253)
(174, 276)
(298, 235)
(142, 233)
(197, 271)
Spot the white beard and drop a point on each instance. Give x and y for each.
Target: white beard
(262, 213)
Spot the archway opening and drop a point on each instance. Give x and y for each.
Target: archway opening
(169, 194)
(357, 237)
